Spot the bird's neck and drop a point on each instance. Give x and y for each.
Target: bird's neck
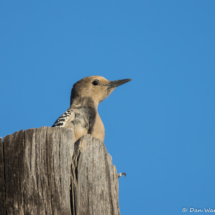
(83, 101)
(97, 129)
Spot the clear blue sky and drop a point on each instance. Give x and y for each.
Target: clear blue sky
(160, 127)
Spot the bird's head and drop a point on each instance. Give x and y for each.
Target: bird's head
(96, 87)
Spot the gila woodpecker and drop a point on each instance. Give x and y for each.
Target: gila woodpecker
(82, 115)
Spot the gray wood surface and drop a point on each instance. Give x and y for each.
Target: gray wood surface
(2, 187)
(43, 172)
(94, 188)
(37, 171)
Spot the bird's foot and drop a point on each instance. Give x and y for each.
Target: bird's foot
(120, 174)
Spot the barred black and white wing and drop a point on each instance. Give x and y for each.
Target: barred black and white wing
(62, 120)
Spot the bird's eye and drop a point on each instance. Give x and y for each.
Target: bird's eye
(95, 82)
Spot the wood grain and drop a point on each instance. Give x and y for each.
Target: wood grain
(43, 172)
(2, 185)
(37, 171)
(94, 189)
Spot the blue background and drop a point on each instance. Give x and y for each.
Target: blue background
(160, 127)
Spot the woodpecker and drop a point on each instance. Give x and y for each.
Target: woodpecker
(82, 115)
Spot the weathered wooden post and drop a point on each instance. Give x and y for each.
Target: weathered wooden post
(94, 185)
(43, 172)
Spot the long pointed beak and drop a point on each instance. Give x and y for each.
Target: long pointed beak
(117, 83)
